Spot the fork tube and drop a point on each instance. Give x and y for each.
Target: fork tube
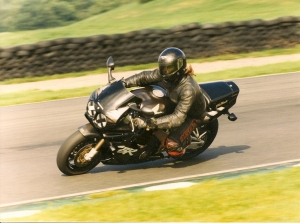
(99, 144)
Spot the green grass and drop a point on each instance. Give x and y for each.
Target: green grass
(249, 71)
(160, 14)
(32, 96)
(265, 53)
(38, 96)
(262, 197)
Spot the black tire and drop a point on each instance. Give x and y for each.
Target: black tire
(69, 157)
(203, 142)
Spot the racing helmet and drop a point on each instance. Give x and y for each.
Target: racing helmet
(172, 64)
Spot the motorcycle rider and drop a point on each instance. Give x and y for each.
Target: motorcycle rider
(175, 76)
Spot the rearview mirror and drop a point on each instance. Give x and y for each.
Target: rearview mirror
(110, 63)
(111, 66)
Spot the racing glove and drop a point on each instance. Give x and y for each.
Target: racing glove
(140, 123)
(151, 123)
(145, 123)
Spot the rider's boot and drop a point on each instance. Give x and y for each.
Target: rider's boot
(151, 147)
(174, 149)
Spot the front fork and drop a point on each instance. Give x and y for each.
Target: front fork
(88, 130)
(88, 156)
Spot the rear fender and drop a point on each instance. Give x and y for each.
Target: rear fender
(88, 130)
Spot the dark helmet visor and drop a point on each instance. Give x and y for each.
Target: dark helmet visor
(167, 70)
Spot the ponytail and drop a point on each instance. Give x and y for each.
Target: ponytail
(189, 70)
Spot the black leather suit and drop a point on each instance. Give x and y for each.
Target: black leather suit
(186, 93)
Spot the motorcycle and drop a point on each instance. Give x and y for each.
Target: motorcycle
(111, 137)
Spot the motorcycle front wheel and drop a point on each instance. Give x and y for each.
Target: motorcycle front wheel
(201, 139)
(70, 157)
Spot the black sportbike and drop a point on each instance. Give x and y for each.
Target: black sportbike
(111, 137)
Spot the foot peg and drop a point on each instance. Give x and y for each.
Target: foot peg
(145, 155)
(231, 116)
(157, 156)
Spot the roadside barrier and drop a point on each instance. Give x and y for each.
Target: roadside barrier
(67, 55)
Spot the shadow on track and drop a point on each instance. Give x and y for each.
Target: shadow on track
(209, 154)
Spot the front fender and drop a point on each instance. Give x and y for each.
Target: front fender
(88, 130)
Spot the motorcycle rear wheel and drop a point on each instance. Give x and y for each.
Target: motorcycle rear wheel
(200, 142)
(70, 157)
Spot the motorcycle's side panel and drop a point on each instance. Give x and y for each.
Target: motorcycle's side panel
(220, 94)
(233, 86)
(114, 115)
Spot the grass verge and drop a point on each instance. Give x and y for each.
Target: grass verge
(262, 197)
(32, 96)
(249, 71)
(38, 96)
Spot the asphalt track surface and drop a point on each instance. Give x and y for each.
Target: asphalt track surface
(267, 131)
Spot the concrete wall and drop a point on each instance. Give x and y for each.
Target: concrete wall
(66, 55)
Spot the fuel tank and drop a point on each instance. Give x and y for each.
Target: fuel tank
(154, 98)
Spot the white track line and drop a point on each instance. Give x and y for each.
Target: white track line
(264, 75)
(151, 183)
(18, 214)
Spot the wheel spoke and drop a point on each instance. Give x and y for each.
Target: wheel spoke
(197, 140)
(72, 160)
(196, 132)
(194, 138)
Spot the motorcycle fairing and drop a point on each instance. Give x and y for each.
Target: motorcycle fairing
(111, 97)
(111, 101)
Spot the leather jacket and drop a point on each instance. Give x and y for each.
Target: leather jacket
(186, 94)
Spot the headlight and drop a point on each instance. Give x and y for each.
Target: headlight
(90, 108)
(98, 119)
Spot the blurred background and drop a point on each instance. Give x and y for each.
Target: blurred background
(29, 21)
(42, 37)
